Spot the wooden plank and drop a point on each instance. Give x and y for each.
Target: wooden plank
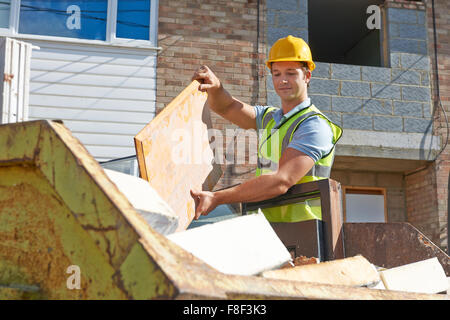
(174, 154)
(354, 271)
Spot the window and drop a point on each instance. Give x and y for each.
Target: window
(364, 204)
(64, 18)
(115, 21)
(5, 8)
(338, 32)
(133, 18)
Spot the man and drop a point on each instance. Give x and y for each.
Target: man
(297, 144)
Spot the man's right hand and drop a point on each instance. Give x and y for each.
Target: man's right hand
(209, 81)
(222, 102)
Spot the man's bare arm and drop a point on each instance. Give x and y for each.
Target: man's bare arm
(293, 166)
(222, 102)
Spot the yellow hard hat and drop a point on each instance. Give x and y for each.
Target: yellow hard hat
(290, 49)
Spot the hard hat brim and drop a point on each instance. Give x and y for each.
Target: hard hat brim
(311, 64)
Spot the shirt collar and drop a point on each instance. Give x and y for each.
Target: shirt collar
(279, 117)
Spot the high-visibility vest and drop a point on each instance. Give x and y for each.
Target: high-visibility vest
(272, 143)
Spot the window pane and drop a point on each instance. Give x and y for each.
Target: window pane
(364, 208)
(85, 19)
(133, 19)
(4, 13)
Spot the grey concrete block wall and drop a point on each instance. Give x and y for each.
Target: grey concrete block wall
(375, 98)
(391, 99)
(407, 31)
(287, 17)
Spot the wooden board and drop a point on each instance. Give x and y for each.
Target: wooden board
(174, 153)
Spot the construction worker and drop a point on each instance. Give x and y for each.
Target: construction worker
(297, 141)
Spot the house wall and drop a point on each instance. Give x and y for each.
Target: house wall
(224, 36)
(105, 95)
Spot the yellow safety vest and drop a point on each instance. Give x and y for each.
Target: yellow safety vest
(273, 142)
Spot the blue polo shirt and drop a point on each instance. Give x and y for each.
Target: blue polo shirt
(313, 137)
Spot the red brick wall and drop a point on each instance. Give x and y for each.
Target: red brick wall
(222, 35)
(426, 190)
(442, 164)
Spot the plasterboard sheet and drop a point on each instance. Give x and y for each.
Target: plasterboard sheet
(245, 245)
(174, 153)
(146, 201)
(426, 276)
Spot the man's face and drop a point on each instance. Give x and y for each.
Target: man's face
(289, 79)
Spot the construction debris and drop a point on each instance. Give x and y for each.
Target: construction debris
(354, 271)
(146, 201)
(301, 261)
(425, 276)
(245, 245)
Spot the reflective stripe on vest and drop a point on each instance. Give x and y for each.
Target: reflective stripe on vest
(273, 143)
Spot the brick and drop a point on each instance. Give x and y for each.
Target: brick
(403, 76)
(422, 47)
(427, 110)
(417, 125)
(323, 86)
(282, 5)
(374, 106)
(386, 91)
(416, 93)
(354, 121)
(269, 83)
(415, 61)
(271, 17)
(355, 89)
(421, 17)
(322, 70)
(345, 72)
(346, 104)
(388, 124)
(293, 20)
(273, 99)
(395, 60)
(376, 74)
(402, 15)
(404, 45)
(275, 33)
(409, 109)
(335, 117)
(303, 6)
(393, 30)
(321, 101)
(412, 31)
(425, 79)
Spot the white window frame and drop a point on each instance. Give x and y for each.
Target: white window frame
(111, 22)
